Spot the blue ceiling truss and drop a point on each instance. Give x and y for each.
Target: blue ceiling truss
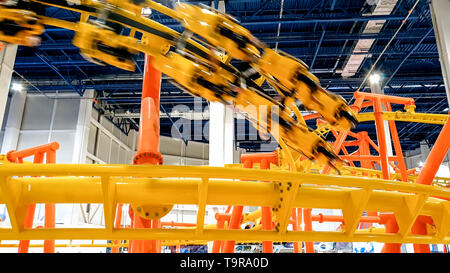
(323, 33)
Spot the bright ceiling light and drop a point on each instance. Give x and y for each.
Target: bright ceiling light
(375, 78)
(146, 11)
(17, 87)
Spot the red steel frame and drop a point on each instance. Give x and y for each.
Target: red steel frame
(148, 153)
(148, 147)
(38, 153)
(368, 161)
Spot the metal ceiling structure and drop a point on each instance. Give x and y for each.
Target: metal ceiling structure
(323, 33)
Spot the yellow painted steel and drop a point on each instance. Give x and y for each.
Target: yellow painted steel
(409, 116)
(100, 44)
(225, 186)
(288, 186)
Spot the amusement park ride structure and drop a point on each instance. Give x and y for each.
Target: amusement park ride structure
(367, 185)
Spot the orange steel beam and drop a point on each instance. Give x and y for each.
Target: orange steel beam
(379, 123)
(259, 157)
(117, 222)
(383, 98)
(266, 212)
(50, 209)
(235, 220)
(390, 223)
(38, 153)
(426, 176)
(397, 146)
(420, 227)
(14, 156)
(148, 144)
(221, 218)
(307, 218)
(295, 228)
(436, 156)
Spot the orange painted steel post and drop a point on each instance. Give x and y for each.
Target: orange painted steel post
(426, 176)
(235, 220)
(383, 98)
(38, 153)
(436, 156)
(379, 123)
(117, 223)
(271, 157)
(364, 149)
(266, 215)
(217, 245)
(24, 245)
(309, 246)
(420, 227)
(390, 223)
(397, 146)
(295, 228)
(50, 209)
(148, 143)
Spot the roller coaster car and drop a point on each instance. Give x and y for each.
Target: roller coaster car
(134, 6)
(294, 76)
(303, 140)
(102, 45)
(194, 78)
(20, 27)
(221, 30)
(336, 110)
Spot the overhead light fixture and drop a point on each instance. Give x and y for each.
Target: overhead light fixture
(375, 78)
(146, 11)
(17, 87)
(446, 110)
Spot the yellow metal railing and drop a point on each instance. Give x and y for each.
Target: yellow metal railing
(439, 119)
(21, 185)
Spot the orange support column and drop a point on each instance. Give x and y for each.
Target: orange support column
(148, 142)
(38, 153)
(24, 245)
(397, 146)
(364, 149)
(390, 223)
(235, 220)
(436, 156)
(309, 246)
(379, 123)
(420, 227)
(117, 222)
(295, 228)
(426, 176)
(50, 209)
(266, 215)
(217, 245)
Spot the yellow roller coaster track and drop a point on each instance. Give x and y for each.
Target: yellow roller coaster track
(438, 119)
(111, 184)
